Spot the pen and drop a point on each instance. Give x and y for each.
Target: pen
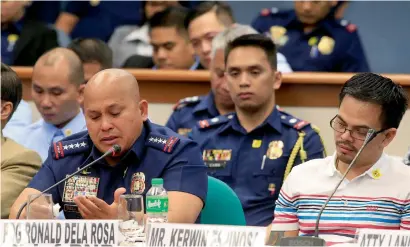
(263, 162)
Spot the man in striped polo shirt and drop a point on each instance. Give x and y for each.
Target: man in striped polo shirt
(376, 191)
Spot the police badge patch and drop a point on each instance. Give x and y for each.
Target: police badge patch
(275, 150)
(138, 183)
(80, 186)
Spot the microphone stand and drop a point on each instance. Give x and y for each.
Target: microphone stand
(369, 137)
(115, 149)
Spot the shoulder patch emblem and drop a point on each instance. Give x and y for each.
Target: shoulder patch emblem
(203, 124)
(186, 101)
(265, 12)
(66, 148)
(164, 143)
(300, 124)
(351, 28)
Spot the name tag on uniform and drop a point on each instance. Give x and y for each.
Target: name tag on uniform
(216, 158)
(80, 186)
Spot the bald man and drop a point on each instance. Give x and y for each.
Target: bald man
(57, 86)
(115, 114)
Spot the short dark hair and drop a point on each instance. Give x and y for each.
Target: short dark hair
(222, 10)
(11, 87)
(92, 50)
(376, 89)
(254, 40)
(170, 17)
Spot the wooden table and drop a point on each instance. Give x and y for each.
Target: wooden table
(298, 89)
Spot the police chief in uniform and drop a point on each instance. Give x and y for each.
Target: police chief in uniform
(116, 115)
(254, 149)
(312, 39)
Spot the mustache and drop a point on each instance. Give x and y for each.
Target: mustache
(347, 144)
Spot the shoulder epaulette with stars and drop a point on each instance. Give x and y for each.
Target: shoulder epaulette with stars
(62, 149)
(216, 121)
(161, 142)
(187, 101)
(293, 122)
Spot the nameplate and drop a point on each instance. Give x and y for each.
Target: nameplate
(379, 238)
(162, 235)
(59, 233)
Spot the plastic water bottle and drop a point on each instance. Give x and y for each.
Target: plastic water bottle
(157, 202)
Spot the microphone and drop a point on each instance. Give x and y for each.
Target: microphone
(114, 150)
(315, 240)
(370, 135)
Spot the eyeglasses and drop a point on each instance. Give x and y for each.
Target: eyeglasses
(359, 133)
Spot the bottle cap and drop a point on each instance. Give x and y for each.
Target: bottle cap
(157, 181)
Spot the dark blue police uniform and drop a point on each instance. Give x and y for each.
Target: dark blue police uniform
(98, 19)
(45, 11)
(9, 37)
(334, 46)
(188, 111)
(236, 157)
(157, 153)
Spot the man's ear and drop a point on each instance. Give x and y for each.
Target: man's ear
(143, 108)
(81, 94)
(6, 110)
(277, 80)
(389, 136)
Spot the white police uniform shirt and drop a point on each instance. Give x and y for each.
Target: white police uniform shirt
(39, 135)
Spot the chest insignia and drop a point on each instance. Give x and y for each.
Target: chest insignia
(80, 186)
(138, 183)
(275, 150)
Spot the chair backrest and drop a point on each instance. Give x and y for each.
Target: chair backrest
(223, 206)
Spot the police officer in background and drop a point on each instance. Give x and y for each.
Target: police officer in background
(115, 114)
(254, 149)
(57, 90)
(95, 55)
(188, 111)
(97, 19)
(312, 39)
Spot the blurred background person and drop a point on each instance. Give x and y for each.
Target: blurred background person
(94, 54)
(129, 40)
(23, 41)
(97, 19)
(170, 42)
(204, 23)
(312, 39)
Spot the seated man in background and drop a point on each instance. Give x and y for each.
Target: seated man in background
(205, 22)
(375, 192)
(57, 85)
(254, 149)
(116, 115)
(312, 39)
(170, 42)
(23, 41)
(190, 110)
(95, 55)
(97, 19)
(18, 164)
(131, 43)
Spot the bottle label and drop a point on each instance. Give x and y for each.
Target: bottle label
(157, 204)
